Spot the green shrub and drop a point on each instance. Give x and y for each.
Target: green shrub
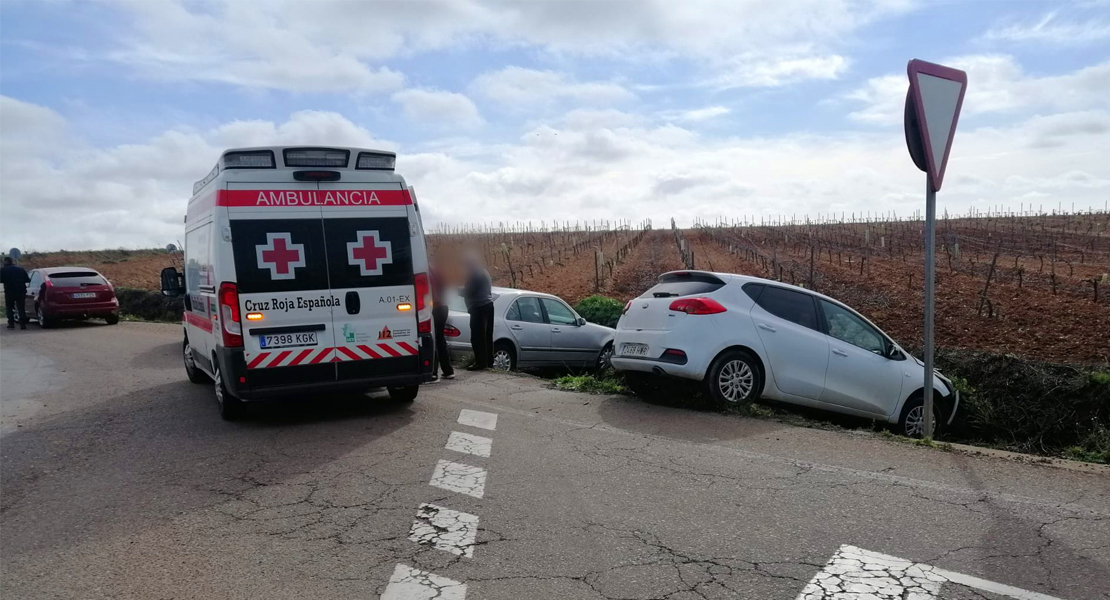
(592, 384)
(148, 305)
(600, 309)
(1029, 406)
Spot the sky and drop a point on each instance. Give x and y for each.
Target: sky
(545, 111)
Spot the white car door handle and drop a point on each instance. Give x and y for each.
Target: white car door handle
(839, 352)
(516, 327)
(766, 327)
(556, 330)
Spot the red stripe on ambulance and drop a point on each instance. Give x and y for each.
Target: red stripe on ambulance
(294, 198)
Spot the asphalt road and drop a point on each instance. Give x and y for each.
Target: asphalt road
(119, 480)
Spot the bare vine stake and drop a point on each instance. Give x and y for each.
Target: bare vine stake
(983, 294)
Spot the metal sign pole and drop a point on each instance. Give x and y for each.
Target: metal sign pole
(930, 276)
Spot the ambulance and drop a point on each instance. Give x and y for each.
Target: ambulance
(305, 272)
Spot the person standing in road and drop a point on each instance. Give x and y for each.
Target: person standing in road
(439, 319)
(478, 295)
(15, 282)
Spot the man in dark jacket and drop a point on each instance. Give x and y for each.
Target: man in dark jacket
(15, 282)
(479, 303)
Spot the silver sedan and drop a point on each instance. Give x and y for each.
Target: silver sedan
(532, 329)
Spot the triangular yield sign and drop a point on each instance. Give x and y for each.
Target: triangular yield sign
(938, 94)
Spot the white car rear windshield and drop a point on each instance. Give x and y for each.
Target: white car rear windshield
(684, 284)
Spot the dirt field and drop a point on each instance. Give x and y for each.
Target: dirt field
(1040, 303)
(124, 268)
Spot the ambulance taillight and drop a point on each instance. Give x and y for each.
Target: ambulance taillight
(423, 304)
(229, 313)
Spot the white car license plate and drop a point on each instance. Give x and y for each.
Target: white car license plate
(634, 349)
(287, 340)
(85, 295)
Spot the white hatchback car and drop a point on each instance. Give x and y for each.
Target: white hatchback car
(747, 337)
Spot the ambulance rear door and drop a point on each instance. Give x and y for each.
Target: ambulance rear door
(281, 268)
(370, 259)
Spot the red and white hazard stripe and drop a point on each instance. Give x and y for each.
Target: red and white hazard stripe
(290, 357)
(311, 356)
(372, 351)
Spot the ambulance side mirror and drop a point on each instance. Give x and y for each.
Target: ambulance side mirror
(173, 283)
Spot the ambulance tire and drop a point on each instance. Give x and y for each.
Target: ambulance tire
(231, 408)
(403, 394)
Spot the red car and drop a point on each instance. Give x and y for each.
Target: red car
(58, 293)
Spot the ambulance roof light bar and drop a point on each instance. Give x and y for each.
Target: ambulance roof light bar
(254, 159)
(316, 157)
(376, 161)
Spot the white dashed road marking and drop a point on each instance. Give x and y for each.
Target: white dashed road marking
(469, 444)
(445, 529)
(477, 418)
(408, 583)
(857, 573)
(457, 477)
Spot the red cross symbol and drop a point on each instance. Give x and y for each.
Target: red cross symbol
(280, 255)
(369, 253)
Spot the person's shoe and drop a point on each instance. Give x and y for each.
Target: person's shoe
(11, 325)
(449, 376)
(434, 380)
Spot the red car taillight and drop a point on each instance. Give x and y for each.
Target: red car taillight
(451, 331)
(423, 303)
(229, 314)
(697, 306)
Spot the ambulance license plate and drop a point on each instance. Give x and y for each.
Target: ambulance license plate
(634, 349)
(287, 340)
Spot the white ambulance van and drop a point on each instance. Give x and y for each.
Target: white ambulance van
(306, 271)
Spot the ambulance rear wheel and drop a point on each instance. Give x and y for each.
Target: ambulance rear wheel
(403, 394)
(231, 408)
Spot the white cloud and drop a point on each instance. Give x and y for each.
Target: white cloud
(1050, 29)
(697, 115)
(517, 86)
(338, 45)
(762, 69)
(584, 165)
(130, 195)
(447, 109)
(637, 171)
(996, 84)
(245, 44)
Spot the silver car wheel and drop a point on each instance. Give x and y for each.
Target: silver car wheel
(736, 381)
(605, 360)
(502, 361)
(915, 421)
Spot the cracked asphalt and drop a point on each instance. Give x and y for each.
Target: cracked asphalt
(119, 480)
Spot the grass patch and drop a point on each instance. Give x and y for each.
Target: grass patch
(592, 384)
(922, 442)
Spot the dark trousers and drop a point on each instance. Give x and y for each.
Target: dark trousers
(17, 309)
(481, 334)
(443, 354)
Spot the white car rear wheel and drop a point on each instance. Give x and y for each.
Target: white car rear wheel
(734, 379)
